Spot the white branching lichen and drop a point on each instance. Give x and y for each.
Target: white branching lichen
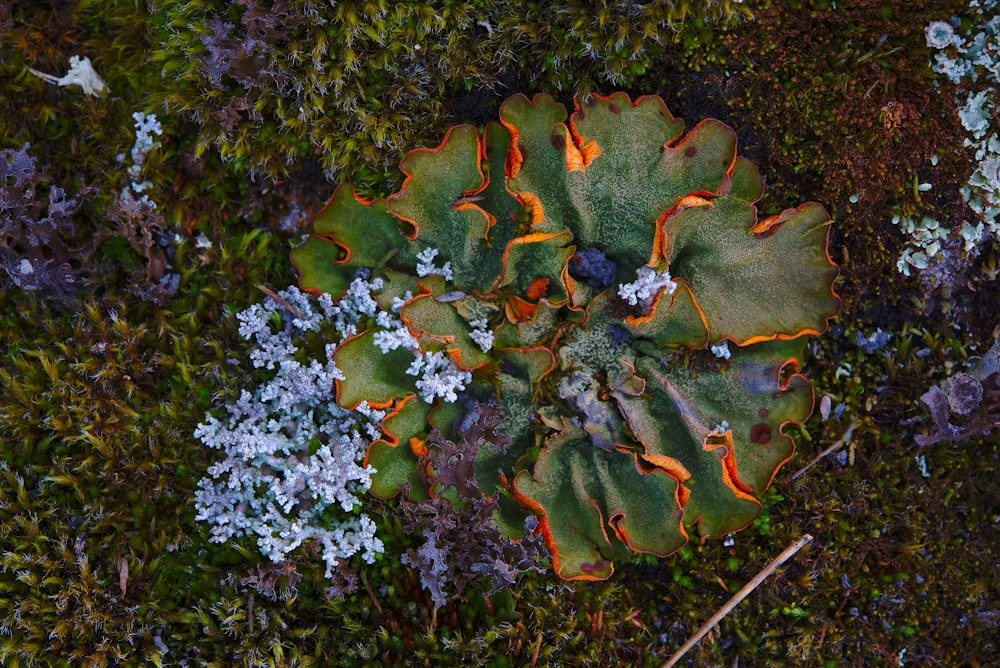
(721, 350)
(647, 285)
(146, 127)
(426, 266)
(81, 73)
(292, 469)
(439, 376)
(481, 335)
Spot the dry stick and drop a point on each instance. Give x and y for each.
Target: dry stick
(846, 438)
(735, 600)
(538, 649)
(276, 297)
(371, 594)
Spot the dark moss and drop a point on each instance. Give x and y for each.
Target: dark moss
(99, 397)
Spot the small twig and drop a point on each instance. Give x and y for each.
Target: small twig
(538, 648)
(735, 600)
(371, 594)
(123, 575)
(846, 438)
(276, 297)
(632, 618)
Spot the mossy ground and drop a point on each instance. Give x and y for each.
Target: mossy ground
(102, 563)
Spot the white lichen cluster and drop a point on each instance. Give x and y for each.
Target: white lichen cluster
(81, 73)
(970, 59)
(292, 468)
(924, 239)
(481, 334)
(437, 374)
(646, 286)
(426, 266)
(721, 350)
(146, 127)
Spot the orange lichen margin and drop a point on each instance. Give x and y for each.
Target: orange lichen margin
(425, 293)
(390, 439)
(675, 470)
(533, 238)
(580, 152)
(515, 156)
(463, 205)
(636, 321)
(537, 288)
(668, 465)
(518, 310)
(769, 226)
(660, 253)
(714, 443)
(544, 528)
(794, 364)
(419, 446)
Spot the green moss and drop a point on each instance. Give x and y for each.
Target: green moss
(899, 562)
(356, 84)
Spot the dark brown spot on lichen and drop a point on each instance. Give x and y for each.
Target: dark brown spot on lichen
(760, 433)
(559, 142)
(763, 412)
(690, 151)
(614, 108)
(523, 151)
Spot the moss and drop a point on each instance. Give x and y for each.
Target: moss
(353, 86)
(902, 566)
(98, 460)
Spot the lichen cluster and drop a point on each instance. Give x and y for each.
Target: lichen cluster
(104, 382)
(564, 258)
(968, 54)
(292, 469)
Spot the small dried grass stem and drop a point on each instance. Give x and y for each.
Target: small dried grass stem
(737, 598)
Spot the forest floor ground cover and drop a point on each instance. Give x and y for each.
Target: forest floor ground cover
(103, 380)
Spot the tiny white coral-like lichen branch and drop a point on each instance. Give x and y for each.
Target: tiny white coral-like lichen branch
(394, 334)
(646, 286)
(439, 377)
(146, 127)
(481, 335)
(355, 303)
(81, 73)
(721, 350)
(426, 266)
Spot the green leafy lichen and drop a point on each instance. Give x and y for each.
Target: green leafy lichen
(614, 194)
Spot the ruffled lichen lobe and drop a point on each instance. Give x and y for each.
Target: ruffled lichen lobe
(612, 244)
